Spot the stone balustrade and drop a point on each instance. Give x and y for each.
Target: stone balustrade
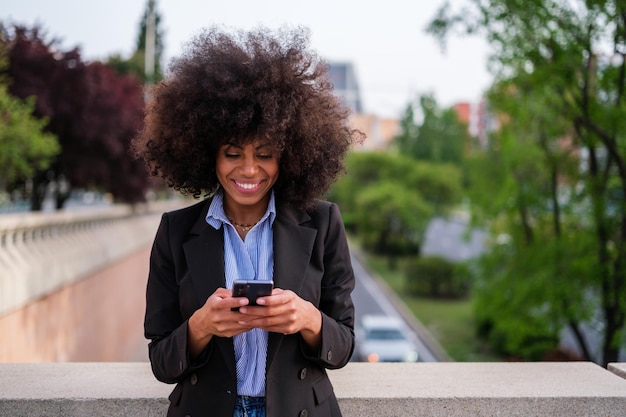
(554, 389)
(42, 252)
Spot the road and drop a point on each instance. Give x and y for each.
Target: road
(447, 238)
(370, 298)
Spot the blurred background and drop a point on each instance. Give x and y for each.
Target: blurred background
(486, 204)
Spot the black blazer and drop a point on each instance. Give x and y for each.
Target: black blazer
(311, 258)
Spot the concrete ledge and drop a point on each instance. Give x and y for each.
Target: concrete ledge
(400, 390)
(618, 369)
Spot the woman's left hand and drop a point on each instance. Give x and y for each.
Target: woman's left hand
(285, 312)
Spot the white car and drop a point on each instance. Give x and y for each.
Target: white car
(385, 339)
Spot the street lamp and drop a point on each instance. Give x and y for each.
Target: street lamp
(150, 48)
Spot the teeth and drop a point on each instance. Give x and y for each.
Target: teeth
(247, 186)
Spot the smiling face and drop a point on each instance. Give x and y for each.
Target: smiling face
(247, 173)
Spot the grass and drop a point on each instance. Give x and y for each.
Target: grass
(450, 322)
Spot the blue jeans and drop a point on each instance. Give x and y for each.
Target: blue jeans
(249, 406)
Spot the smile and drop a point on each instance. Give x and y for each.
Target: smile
(247, 186)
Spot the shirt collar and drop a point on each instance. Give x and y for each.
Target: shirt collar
(216, 216)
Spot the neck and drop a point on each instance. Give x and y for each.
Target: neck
(245, 214)
(244, 219)
(244, 227)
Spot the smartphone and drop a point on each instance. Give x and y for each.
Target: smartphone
(252, 290)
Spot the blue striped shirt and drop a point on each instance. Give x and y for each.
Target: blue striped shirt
(252, 258)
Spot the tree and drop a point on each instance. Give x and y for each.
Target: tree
(558, 167)
(440, 137)
(24, 146)
(112, 114)
(388, 199)
(93, 112)
(391, 219)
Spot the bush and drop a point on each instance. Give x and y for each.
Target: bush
(436, 277)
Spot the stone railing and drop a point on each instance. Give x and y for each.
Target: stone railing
(42, 252)
(552, 389)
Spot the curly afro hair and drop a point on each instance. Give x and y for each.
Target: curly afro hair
(235, 88)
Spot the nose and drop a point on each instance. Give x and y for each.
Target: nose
(249, 166)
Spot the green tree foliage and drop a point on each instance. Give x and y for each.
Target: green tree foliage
(132, 66)
(388, 199)
(525, 297)
(440, 137)
(24, 146)
(391, 219)
(553, 179)
(436, 277)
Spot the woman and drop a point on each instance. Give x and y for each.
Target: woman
(249, 119)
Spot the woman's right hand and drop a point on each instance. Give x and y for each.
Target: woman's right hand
(215, 318)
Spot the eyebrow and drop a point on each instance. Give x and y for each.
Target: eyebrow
(262, 145)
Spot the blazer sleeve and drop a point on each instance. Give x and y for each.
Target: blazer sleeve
(335, 303)
(164, 323)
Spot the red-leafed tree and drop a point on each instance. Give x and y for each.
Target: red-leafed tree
(93, 111)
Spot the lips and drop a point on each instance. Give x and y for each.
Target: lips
(246, 186)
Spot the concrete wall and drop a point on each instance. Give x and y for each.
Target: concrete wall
(374, 390)
(96, 319)
(72, 284)
(42, 252)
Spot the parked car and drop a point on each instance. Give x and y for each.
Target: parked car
(385, 339)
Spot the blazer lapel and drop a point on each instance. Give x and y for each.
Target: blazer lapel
(293, 244)
(204, 252)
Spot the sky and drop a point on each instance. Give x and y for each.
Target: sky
(395, 61)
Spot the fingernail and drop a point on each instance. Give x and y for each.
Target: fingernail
(260, 301)
(243, 310)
